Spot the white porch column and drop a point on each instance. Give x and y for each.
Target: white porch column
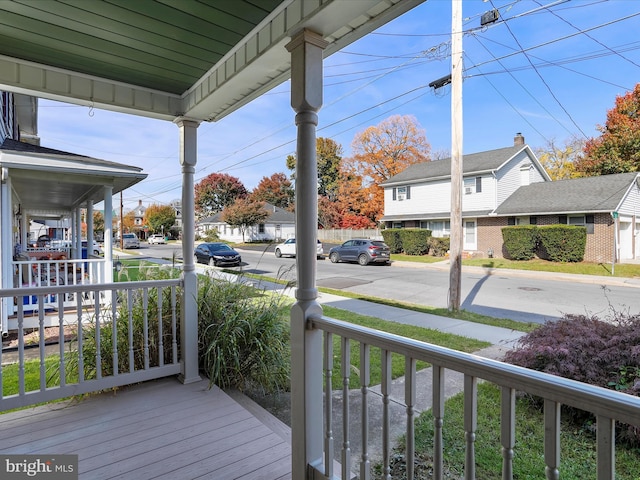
(108, 234)
(77, 231)
(189, 312)
(89, 228)
(24, 229)
(306, 344)
(6, 247)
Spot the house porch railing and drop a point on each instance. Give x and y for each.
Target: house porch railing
(53, 273)
(608, 406)
(137, 339)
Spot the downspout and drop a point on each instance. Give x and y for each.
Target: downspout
(614, 217)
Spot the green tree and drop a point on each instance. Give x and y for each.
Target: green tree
(560, 161)
(160, 218)
(276, 190)
(217, 191)
(244, 213)
(98, 223)
(617, 150)
(328, 156)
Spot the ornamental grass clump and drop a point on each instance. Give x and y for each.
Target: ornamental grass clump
(243, 336)
(605, 353)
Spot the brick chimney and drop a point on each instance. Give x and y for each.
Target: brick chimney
(518, 140)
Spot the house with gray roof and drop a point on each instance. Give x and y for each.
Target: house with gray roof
(279, 225)
(509, 186)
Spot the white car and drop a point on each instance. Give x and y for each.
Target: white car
(288, 249)
(156, 238)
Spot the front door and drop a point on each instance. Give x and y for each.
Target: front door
(470, 235)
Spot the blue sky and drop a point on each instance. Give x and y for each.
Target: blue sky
(549, 73)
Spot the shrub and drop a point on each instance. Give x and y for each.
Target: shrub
(243, 336)
(438, 247)
(415, 241)
(392, 238)
(605, 353)
(520, 242)
(562, 243)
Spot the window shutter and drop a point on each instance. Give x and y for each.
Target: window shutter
(589, 219)
(394, 193)
(562, 219)
(511, 221)
(478, 184)
(533, 220)
(408, 192)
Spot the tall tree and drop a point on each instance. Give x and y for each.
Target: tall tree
(329, 215)
(216, 191)
(381, 152)
(617, 150)
(276, 190)
(159, 218)
(560, 161)
(129, 221)
(328, 156)
(244, 213)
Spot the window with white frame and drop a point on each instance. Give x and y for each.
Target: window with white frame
(439, 228)
(401, 193)
(472, 185)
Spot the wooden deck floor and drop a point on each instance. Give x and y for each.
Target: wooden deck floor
(156, 430)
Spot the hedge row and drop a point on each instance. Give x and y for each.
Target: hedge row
(558, 243)
(414, 241)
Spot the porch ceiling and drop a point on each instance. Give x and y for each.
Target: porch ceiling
(201, 59)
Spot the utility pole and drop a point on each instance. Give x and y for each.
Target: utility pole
(455, 252)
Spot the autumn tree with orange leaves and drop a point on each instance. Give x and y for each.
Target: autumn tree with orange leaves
(379, 153)
(276, 190)
(617, 150)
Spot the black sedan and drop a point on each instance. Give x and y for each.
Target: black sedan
(217, 255)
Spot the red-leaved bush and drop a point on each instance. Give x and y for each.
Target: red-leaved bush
(605, 353)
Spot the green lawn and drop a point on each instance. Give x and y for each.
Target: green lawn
(578, 445)
(581, 268)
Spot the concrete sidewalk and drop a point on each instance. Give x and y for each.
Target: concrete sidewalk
(502, 340)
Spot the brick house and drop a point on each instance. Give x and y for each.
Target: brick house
(509, 186)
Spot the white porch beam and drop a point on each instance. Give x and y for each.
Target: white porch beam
(306, 50)
(77, 231)
(189, 312)
(89, 228)
(6, 249)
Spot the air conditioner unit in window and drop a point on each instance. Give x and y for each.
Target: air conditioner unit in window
(467, 190)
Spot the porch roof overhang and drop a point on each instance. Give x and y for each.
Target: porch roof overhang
(51, 183)
(164, 59)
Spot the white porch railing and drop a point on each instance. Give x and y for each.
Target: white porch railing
(53, 273)
(137, 340)
(608, 406)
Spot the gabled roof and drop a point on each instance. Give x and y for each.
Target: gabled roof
(475, 163)
(578, 195)
(276, 215)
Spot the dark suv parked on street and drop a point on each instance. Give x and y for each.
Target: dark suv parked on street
(361, 250)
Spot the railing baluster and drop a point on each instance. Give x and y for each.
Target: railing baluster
(385, 361)
(345, 371)
(62, 362)
(328, 405)
(508, 430)
(174, 341)
(606, 447)
(470, 425)
(145, 329)
(98, 315)
(20, 346)
(160, 334)
(130, 327)
(78, 297)
(41, 337)
(365, 379)
(114, 330)
(551, 440)
(438, 420)
(410, 402)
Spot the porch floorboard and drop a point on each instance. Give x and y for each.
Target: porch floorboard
(158, 429)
